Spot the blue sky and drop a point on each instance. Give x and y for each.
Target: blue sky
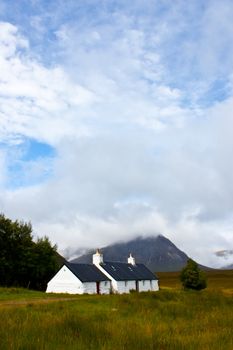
(116, 119)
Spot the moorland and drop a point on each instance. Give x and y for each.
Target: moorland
(169, 319)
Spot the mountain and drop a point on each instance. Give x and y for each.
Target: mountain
(157, 253)
(60, 259)
(226, 253)
(228, 267)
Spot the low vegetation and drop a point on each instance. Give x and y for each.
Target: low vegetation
(169, 319)
(192, 277)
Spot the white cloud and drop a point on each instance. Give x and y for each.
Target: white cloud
(114, 186)
(36, 101)
(10, 40)
(137, 153)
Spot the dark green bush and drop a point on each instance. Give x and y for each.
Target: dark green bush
(192, 277)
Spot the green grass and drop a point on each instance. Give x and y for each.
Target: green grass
(168, 319)
(21, 294)
(18, 294)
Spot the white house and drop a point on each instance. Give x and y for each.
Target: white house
(103, 277)
(127, 276)
(79, 279)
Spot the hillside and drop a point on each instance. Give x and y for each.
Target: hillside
(157, 253)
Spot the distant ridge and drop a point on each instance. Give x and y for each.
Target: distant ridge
(157, 253)
(228, 267)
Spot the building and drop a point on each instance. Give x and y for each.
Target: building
(103, 277)
(126, 277)
(79, 279)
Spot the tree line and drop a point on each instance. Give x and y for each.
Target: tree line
(25, 262)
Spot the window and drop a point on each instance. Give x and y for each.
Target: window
(143, 283)
(126, 283)
(105, 283)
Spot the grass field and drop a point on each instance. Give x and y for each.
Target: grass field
(168, 319)
(220, 280)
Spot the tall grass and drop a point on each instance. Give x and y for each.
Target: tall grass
(169, 319)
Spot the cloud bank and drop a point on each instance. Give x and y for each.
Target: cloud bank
(132, 106)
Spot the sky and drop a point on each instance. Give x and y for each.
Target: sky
(116, 120)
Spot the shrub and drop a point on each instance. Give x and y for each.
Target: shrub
(192, 277)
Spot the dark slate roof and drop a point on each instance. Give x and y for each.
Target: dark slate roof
(87, 272)
(122, 272)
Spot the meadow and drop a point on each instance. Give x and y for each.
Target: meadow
(168, 319)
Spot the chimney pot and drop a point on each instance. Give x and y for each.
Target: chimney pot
(97, 258)
(131, 260)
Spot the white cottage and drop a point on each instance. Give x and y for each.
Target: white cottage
(103, 277)
(127, 276)
(79, 279)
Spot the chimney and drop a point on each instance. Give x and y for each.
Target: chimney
(97, 258)
(131, 260)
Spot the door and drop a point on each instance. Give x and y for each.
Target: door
(137, 286)
(98, 287)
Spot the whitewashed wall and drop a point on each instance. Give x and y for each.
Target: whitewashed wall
(155, 285)
(65, 282)
(124, 286)
(105, 287)
(143, 286)
(89, 287)
(146, 285)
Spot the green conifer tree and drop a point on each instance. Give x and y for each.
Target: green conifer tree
(192, 277)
